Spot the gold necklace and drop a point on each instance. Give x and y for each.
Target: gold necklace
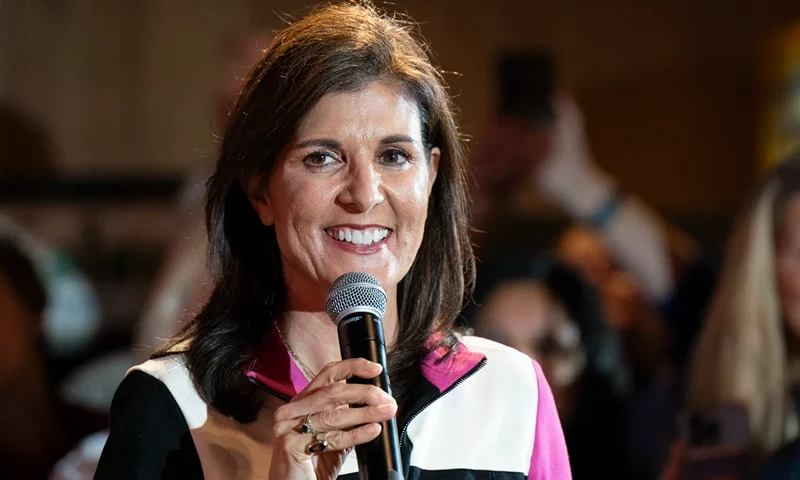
(306, 371)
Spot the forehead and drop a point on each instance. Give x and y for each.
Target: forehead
(378, 109)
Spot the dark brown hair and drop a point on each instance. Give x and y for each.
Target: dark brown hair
(335, 48)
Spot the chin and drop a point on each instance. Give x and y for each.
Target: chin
(384, 272)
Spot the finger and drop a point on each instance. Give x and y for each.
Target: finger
(332, 396)
(341, 418)
(297, 444)
(342, 439)
(345, 418)
(337, 371)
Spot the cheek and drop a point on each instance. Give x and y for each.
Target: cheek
(789, 276)
(296, 201)
(410, 207)
(788, 268)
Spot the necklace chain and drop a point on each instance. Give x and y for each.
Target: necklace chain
(307, 371)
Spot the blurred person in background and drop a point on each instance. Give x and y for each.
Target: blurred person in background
(749, 350)
(651, 275)
(653, 283)
(72, 318)
(36, 428)
(546, 310)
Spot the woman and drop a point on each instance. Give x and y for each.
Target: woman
(342, 155)
(748, 351)
(546, 310)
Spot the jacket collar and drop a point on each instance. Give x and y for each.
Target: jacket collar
(277, 370)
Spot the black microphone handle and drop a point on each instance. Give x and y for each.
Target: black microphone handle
(361, 336)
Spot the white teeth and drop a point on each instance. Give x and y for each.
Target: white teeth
(358, 237)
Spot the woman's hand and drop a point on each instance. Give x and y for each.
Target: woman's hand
(569, 155)
(323, 404)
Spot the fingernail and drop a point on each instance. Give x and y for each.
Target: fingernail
(377, 365)
(387, 408)
(374, 428)
(387, 398)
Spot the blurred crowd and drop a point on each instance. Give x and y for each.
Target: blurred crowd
(655, 354)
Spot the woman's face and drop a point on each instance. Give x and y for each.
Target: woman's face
(523, 315)
(350, 192)
(788, 265)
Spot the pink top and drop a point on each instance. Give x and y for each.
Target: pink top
(550, 460)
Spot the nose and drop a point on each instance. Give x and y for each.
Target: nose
(364, 189)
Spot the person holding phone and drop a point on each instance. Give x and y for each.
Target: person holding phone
(619, 242)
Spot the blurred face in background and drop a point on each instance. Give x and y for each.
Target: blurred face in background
(787, 265)
(523, 315)
(18, 336)
(622, 297)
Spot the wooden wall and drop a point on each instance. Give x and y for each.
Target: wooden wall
(668, 87)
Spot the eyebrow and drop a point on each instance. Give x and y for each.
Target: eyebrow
(320, 142)
(337, 145)
(397, 139)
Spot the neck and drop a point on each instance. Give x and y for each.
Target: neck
(314, 339)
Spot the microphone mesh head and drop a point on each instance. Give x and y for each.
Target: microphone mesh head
(353, 290)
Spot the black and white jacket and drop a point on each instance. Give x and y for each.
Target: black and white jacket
(484, 412)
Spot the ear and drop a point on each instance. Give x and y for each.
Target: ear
(436, 155)
(256, 191)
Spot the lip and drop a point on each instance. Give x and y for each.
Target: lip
(358, 227)
(348, 247)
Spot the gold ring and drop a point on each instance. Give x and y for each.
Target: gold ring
(317, 446)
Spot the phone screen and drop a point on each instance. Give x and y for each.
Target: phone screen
(717, 443)
(526, 81)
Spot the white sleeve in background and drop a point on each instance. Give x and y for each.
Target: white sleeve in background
(633, 234)
(638, 242)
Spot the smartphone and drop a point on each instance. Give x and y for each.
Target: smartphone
(717, 443)
(526, 83)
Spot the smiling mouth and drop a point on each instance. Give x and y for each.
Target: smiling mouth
(353, 236)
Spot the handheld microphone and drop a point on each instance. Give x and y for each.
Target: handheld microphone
(356, 303)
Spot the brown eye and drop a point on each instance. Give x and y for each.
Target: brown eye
(395, 157)
(320, 159)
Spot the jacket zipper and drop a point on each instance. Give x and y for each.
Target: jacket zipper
(449, 389)
(285, 398)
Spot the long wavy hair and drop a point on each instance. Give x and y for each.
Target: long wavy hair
(741, 355)
(335, 48)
